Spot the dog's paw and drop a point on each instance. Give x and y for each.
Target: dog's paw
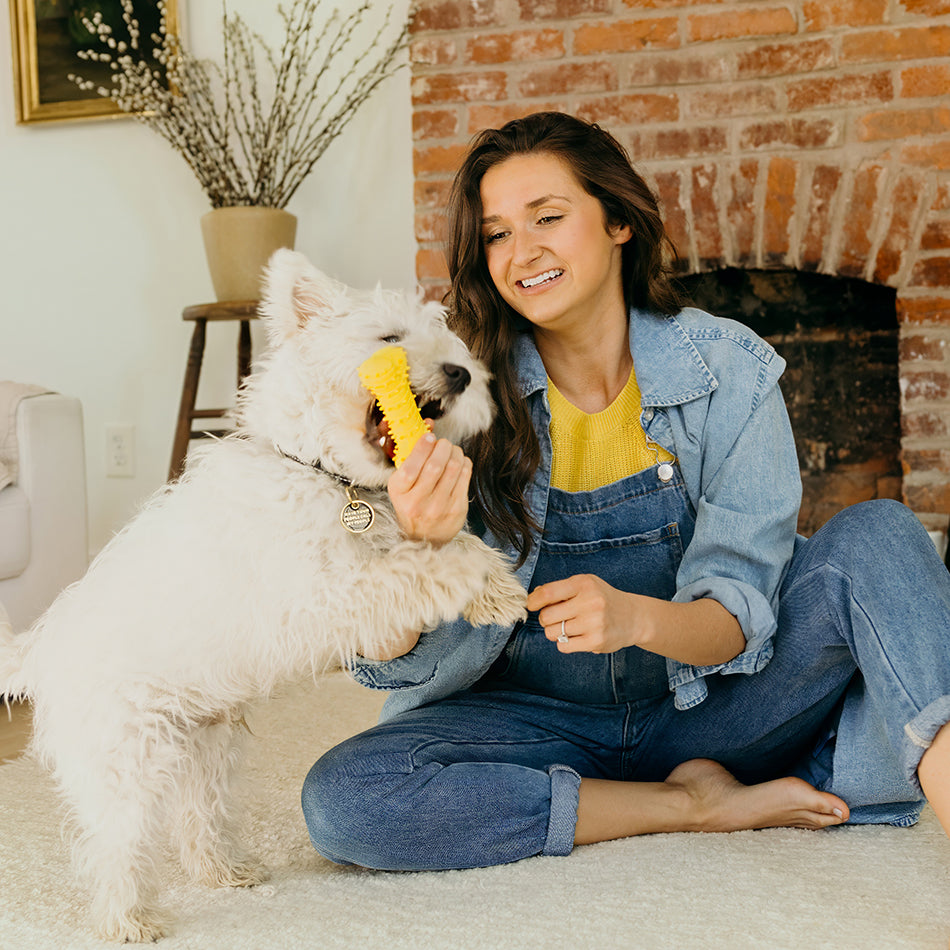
(238, 874)
(501, 602)
(139, 925)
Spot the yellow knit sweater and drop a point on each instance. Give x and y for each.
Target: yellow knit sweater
(592, 450)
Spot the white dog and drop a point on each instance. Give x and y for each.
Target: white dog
(240, 576)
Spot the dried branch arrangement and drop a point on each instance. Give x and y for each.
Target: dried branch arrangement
(250, 139)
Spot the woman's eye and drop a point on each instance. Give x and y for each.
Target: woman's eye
(495, 237)
(550, 218)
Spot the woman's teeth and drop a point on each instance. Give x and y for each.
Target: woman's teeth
(541, 278)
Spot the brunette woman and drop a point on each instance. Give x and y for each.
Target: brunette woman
(689, 663)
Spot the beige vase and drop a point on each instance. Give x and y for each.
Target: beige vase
(238, 242)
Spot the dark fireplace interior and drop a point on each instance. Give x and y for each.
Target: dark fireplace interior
(840, 339)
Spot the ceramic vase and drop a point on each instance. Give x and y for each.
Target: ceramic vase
(238, 242)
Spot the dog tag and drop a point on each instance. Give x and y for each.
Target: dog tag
(357, 516)
(665, 472)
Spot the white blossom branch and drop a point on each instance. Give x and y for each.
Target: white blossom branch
(245, 148)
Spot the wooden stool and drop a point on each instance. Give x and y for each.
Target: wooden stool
(243, 310)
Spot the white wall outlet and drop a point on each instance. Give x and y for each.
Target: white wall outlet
(120, 451)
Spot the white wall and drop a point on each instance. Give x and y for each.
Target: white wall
(100, 250)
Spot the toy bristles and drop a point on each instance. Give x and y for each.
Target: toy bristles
(386, 375)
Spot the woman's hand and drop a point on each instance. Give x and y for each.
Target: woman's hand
(599, 618)
(429, 491)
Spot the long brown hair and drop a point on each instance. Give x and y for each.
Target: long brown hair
(506, 457)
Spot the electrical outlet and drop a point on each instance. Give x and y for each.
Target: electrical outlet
(120, 451)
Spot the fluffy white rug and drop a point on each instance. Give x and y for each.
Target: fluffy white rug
(847, 888)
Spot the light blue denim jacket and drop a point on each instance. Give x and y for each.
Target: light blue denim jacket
(710, 396)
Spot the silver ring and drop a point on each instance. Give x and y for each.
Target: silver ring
(563, 637)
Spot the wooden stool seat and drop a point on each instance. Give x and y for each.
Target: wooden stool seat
(242, 310)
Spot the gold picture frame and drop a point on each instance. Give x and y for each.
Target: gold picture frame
(46, 38)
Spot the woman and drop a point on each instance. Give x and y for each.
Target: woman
(682, 640)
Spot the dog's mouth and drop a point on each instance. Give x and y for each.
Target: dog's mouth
(377, 427)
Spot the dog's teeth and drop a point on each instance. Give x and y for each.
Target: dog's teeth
(382, 441)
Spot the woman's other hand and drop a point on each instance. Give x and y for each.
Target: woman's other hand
(598, 618)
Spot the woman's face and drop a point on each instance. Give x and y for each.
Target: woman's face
(547, 245)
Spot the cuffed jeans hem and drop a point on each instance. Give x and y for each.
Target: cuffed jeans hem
(565, 793)
(899, 814)
(921, 731)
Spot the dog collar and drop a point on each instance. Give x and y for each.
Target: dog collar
(357, 515)
(342, 479)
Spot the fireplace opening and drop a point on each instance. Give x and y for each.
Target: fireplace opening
(839, 337)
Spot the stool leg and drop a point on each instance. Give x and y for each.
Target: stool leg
(244, 351)
(189, 393)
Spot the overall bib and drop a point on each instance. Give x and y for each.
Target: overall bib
(632, 535)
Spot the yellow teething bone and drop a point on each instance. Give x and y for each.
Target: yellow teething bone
(386, 375)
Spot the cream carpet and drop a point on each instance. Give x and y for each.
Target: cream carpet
(848, 888)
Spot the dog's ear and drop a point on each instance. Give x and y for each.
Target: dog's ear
(316, 295)
(296, 293)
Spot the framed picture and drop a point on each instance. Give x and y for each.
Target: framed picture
(47, 37)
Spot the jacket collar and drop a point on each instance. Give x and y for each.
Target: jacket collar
(669, 369)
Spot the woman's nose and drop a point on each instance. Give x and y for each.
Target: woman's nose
(526, 248)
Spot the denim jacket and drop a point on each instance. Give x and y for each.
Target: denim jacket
(710, 396)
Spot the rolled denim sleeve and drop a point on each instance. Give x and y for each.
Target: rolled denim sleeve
(387, 675)
(446, 659)
(746, 518)
(415, 668)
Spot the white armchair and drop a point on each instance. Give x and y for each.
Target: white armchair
(43, 530)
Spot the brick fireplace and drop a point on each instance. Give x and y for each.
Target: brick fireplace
(810, 136)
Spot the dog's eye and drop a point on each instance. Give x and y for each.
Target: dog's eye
(392, 338)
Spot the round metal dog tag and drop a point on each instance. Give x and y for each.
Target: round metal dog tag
(665, 472)
(357, 516)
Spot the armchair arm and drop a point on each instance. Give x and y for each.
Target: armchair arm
(52, 476)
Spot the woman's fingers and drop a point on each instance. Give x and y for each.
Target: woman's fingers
(430, 490)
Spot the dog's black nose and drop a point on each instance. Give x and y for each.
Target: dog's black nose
(458, 378)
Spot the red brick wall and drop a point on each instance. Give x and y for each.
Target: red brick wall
(806, 134)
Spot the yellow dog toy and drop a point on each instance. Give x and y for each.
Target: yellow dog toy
(386, 375)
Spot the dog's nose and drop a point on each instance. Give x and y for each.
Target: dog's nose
(458, 377)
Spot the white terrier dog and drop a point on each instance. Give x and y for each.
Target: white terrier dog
(240, 576)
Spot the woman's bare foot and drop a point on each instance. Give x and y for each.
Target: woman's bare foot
(725, 804)
(699, 795)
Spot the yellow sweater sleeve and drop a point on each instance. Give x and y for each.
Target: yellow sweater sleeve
(593, 450)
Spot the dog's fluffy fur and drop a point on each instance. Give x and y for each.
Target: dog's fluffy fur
(238, 577)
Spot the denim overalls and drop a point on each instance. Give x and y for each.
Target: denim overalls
(491, 774)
